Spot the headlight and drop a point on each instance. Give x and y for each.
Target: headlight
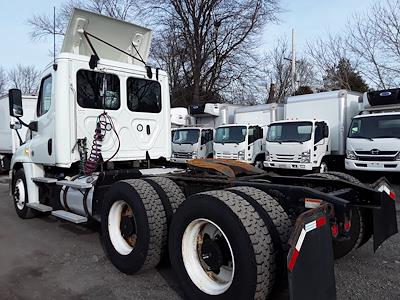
(194, 154)
(398, 156)
(267, 156)
(241, 155)
(351, 155)
(305, 156)
(173, 154)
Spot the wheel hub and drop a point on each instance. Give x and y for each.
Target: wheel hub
(212, 255)
(127, 226)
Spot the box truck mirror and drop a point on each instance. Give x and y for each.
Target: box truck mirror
(15, 102)
(326, 131)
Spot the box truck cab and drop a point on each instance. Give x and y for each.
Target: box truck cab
(240, 142)
(313, 135)
(250, 129)
(191, 143)
(297, 144)
(373, 142)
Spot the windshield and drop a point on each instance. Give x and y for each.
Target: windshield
(186, 136)
(375, 127)
(234, 134)
(289, 132)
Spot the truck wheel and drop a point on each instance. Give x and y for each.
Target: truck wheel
(277, 220)
(357, 230)
(133, 223)
(259, 164)
(171, 197)
(323, 168)
(220, 248)
(20, 196)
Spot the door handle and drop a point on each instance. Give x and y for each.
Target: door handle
(148, 129)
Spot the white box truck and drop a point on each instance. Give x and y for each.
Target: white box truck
(313, 135)
(245, 140)
(373, 142)
(9, 140)
(191, 143)
(180, 117)
(213, 114)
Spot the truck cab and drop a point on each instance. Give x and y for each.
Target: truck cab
(373, 141)
(191, 143)
(240, 142)
(297, 144)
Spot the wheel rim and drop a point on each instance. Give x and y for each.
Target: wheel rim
(323, 168)
(122, 227)
(259, 164)
(208, 257)
(19, 194)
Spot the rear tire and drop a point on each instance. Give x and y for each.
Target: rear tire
(277, 220)
(20, 196)
(133, 226)
(358, 226)
(246, 247)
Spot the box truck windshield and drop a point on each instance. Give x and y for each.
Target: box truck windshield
(375, 127)
(290, 132)
(231, 134)
(186, 136)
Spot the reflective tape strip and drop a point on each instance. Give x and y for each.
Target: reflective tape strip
(293, 259)
(384, 188)
(300, 240)
(310, 226)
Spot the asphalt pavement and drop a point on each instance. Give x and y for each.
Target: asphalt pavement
(46, 258)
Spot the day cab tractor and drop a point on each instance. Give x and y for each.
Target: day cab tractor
(231, 230)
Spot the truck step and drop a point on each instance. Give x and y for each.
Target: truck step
(68, 216)
(39, 207)
(75, 185)
(44, 179)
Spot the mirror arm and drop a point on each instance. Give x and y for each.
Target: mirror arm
(22, 122)
(19, 137)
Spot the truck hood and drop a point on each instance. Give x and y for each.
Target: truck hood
(287, 148)
(386, 144)
(229, 148)
(184, 147)
(120, 34)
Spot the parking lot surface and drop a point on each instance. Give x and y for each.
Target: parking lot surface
(46, 258)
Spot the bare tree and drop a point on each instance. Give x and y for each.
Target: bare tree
(42, 24)
(277, 72)
(25, 78)
(216, 40)
(3, 81)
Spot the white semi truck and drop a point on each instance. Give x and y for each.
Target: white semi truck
(11, 139)
(312, 136)
(373, 142)
(102, 110)
(245, 139)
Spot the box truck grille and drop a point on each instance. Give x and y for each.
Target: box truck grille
(285, 158)
(226, 155)
(186, 155)
(389, 153)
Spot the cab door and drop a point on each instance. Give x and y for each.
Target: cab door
(321, 141)
(42, 143)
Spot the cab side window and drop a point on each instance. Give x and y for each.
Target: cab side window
(44, 100)
(319, 132)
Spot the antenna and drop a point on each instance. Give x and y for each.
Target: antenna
(54, 35)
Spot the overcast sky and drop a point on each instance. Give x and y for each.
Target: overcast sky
(309, 18)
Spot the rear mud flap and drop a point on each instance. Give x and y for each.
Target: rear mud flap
(385, 219)
(310, 265)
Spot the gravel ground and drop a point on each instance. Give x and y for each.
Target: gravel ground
(46, 258)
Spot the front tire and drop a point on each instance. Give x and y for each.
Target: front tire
(20, 196)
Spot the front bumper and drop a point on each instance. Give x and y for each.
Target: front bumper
(288, 165)
(384, 166)
(180, 160)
